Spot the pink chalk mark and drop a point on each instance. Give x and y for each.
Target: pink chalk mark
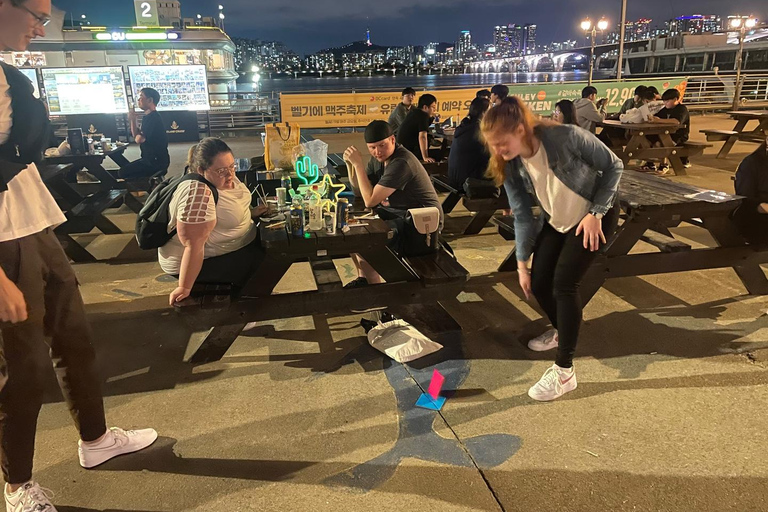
(436, 385)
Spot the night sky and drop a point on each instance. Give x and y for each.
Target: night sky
(307, 26)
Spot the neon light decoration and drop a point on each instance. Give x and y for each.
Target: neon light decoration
(308, 172)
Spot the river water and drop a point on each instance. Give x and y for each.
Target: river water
(399, 82)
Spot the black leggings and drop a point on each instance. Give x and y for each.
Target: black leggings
(235, 267)
(560, 262)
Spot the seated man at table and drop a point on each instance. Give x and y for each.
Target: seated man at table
(414, 132)
(673, 112)
(402, 110)
(636, 101)
(151, 137)
(752, 183)
(589, 111)
(216, 239)
(394, 180)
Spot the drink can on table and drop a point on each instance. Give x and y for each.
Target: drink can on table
(342, 213)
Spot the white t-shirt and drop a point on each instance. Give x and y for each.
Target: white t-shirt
(565, 207)
(192, 203)
(27, 207)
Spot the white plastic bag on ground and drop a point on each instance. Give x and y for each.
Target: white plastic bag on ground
(401, 341)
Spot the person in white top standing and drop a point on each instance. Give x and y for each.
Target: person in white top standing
(39, 295)
(215, 241)
(574, 179)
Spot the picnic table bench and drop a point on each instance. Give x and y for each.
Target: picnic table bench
(83, 213)
(639, 147)
(651, 205)
(483, 209)
(739, 132)
(409, 280)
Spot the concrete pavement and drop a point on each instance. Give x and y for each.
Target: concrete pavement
(303, 414)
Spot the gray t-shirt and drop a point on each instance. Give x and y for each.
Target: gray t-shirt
(397, 116)
(404, 173)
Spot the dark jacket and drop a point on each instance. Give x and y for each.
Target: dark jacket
(469, 156)
(752, 183)
(30, 129)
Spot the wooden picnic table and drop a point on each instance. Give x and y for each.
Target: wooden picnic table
(651, 206)
(739, 133)
(84, 204)
(409, 280)
(94, 163)
(639, 147)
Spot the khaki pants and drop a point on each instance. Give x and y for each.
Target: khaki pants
(41, 270)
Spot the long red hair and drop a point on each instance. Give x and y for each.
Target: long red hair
(507, 117)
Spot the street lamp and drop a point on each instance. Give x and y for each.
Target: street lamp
(742, 24)
(590, 28)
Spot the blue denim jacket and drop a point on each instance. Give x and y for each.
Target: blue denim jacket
(578, 159)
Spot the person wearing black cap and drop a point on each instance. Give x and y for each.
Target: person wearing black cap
(394, 181)
(398, 115)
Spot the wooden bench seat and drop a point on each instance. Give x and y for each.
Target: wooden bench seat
(664, 243)
(718, 135)
(53, 171)
(436, 269)
(691, 148)
(506, 225)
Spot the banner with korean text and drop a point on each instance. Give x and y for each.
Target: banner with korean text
(358, 109)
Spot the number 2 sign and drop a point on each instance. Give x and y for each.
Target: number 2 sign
(146, 13)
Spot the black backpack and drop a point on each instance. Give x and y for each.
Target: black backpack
(152, 221)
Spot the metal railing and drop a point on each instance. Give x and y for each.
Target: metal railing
(236, 112)
(714, 92)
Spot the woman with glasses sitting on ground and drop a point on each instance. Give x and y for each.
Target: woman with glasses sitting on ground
(216, 238)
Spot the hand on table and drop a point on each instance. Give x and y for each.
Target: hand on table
(179, 294)
(260, 210)
(13, 307)
(593, 232)
(429, 160)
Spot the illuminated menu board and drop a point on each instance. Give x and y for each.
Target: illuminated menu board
(96, 90)
(180, 87)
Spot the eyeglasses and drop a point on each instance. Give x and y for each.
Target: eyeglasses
(42, 21)
(226, 171)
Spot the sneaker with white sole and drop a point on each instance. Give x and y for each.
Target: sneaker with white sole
(546, 341)
(553, 384)
(116, 442)
(30, 497)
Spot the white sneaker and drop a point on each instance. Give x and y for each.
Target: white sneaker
(546, 341)
(553, 384)
(116, 442)
(30, 497)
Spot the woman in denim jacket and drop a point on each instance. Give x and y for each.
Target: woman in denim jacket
(573, 178)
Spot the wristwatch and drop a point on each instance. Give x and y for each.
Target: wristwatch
(598, 216)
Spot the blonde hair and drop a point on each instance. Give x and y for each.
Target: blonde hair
(506, 117)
